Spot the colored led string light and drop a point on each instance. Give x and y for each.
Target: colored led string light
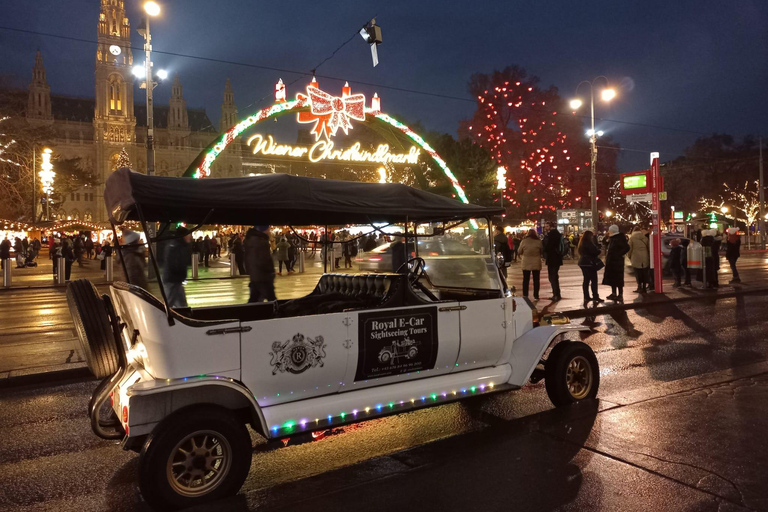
(289, 425)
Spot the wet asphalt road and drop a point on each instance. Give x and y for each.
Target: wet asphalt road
(50, 460)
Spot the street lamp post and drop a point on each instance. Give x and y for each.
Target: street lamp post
(151, 9)
(46, 179)
(606, 94)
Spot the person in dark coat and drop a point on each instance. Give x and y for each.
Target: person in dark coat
(713, 260)
(106, 250)
(258, 261)
(89, 247)
(684, 242)
(176, 261)
(733, 251)
(206, 250)
(614, 263)
(133, 255)
(79, 249)
(5, 251)
(589, 260)
(237, 250)
(69, 257)
(501, 246)
(676, 261)
(554, 258)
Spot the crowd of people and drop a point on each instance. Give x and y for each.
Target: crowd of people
(610, 251)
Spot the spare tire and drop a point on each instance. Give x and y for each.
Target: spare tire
(93, 328)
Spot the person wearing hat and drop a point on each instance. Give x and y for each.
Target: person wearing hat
(259, 265)
(133, 254)
(177, 259)
(614, 263)
(733, 251)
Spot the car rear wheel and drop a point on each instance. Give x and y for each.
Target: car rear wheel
(194, 457)
(571, 373)
(93, 327)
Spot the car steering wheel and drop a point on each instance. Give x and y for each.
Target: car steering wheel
(417, 268)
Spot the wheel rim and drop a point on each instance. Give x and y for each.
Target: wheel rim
(578, 377)
(199, 463)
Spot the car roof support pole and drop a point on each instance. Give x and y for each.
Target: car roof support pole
(324, 250)
(154, 264)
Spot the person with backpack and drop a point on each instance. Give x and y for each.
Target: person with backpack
(554, 250)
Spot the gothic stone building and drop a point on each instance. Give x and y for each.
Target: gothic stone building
(97, 129)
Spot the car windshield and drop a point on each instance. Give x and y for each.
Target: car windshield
(460, 258)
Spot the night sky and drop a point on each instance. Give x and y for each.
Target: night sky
(696, 66)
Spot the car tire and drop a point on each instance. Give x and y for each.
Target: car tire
(571, 373)
(412, 352)
(206, 433)
(385, 357)
(93, 328)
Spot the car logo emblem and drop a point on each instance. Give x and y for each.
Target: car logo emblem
(297, 354)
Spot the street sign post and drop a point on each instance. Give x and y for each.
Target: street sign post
(656, 189)
(636, 198)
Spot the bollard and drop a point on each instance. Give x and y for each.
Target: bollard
(232, 265)
(7, 273)
(109, 269)
(60, 270)
(195, 264)
(301, 262)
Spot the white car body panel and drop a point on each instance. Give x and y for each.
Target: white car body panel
(483, 333)
(262, 349)
(530, 347)
(177, 351)
(404, 396)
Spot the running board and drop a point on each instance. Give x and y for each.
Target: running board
(350, 407)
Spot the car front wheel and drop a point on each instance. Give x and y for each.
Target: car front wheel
(195, 456)
(571, 373)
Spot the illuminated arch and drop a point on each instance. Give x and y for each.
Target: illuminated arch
(201, 167)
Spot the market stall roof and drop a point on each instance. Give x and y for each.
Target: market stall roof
(276, 199)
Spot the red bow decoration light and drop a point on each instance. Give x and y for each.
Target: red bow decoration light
(329, 113)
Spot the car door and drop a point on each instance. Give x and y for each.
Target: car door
(288, 359)
(483, 333)
(399, 344)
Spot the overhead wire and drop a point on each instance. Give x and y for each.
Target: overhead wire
(329, 77)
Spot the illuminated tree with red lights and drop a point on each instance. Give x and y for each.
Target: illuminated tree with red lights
(541, 143)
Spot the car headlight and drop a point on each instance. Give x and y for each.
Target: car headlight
(137, 353)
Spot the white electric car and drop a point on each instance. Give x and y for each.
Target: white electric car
(184, 384)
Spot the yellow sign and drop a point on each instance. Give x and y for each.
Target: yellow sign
(325, 150)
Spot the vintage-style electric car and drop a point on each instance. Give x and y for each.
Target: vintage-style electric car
(181, 385)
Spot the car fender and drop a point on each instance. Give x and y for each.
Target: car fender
(153, 400)
(528, 349)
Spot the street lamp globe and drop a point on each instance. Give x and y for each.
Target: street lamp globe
(162, 74)
(608, 94)
(575, 104)
(608, 213)
(138, 71)
(152, 8)
(724, 209)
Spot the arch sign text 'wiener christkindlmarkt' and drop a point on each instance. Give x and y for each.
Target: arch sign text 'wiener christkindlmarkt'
(328, 114)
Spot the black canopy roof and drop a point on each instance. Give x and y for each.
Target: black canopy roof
(276, 199)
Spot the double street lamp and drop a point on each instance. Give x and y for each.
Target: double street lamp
(606, 94)
(145, 72)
